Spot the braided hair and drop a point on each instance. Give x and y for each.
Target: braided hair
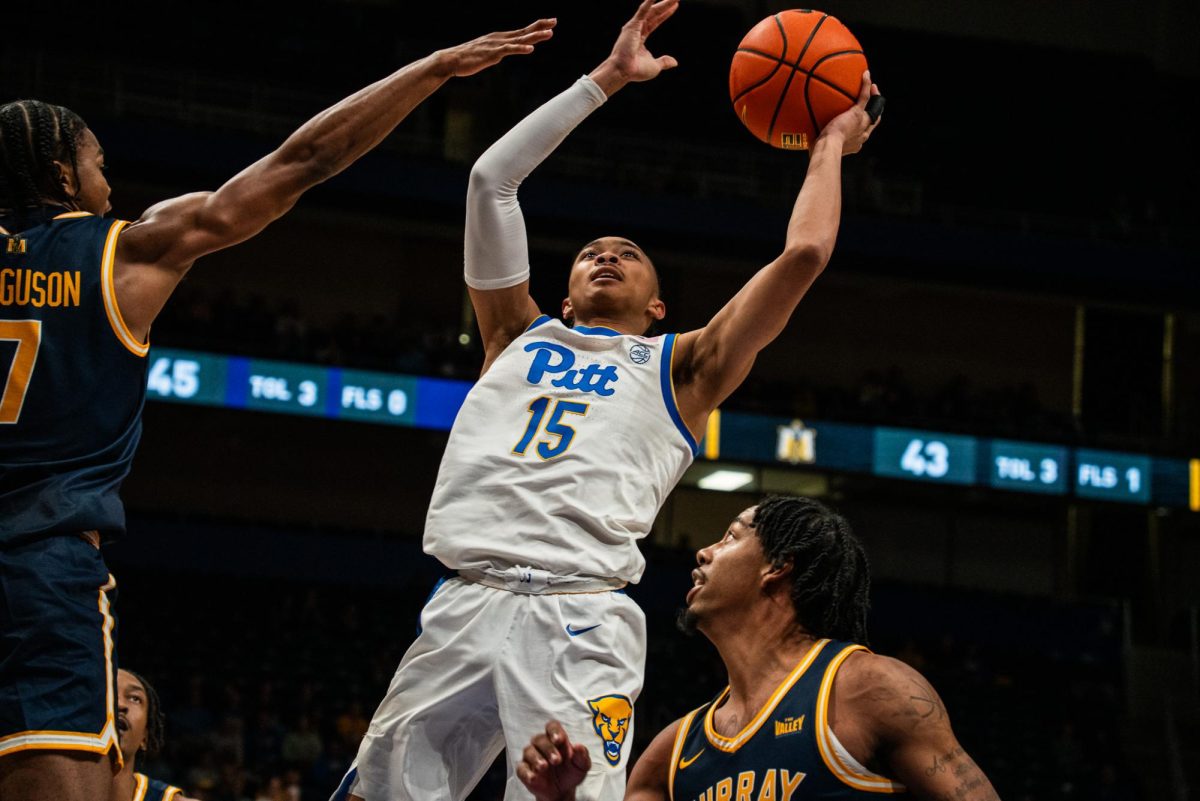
(831, 579)
(155, 719)
(33, 135)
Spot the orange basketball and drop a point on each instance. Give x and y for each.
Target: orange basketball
(793, 73)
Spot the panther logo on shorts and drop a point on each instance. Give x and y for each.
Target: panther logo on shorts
(610, 716)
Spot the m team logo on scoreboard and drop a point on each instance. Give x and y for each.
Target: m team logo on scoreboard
(796, 443)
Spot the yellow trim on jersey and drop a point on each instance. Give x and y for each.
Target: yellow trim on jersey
(143, 784)
(870, 783)
(109, 290)
(731, 744)
(68, 215)
(139, 791)
(677, 751)
(100, 743)
(541, 319)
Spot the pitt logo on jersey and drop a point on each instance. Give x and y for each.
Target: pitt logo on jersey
(610, 717)
(553, 359)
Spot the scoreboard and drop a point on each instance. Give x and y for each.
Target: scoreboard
(241, 383)
(238, 382)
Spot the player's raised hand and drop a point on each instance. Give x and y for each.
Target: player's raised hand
(856, 123)
(630, 60)
(551, 766)
(479, 54)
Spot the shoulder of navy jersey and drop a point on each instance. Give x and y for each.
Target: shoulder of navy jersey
(787, 750)
(148, 789)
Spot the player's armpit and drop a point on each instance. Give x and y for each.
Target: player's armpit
(649, 780)
(905, 724)
(713, 361)
(502, 316)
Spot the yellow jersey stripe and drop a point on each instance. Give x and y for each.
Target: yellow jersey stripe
(139, 792)
(677, 751)
(109, 290)
(868, 783)
(731, 744)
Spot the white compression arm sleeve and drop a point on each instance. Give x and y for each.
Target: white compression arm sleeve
(497, 253)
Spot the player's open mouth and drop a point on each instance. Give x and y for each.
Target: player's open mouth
(606, 272)
(122, 724)
(698, 580)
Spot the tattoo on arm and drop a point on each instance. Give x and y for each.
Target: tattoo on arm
(970, 783)
(926, 702)
(941, 760)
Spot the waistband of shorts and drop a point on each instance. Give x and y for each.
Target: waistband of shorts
(532, 581)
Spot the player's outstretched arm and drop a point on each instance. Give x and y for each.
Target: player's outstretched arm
(713, 361)
(892, 710)
(551, 766)
(497, 252)
(155, 252)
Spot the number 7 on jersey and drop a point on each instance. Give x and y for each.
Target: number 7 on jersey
(28, 336)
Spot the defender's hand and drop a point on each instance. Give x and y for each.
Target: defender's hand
(630, 60)
(552, 766)
(479, 54)
(855, 125)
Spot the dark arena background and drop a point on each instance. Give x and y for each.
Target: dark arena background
(997, 379)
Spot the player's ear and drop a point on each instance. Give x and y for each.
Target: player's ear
(568, 312)
(656, 309)
(64, 176)
(777, 576)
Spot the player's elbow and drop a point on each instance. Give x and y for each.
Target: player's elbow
(485, 179)
(805, 258)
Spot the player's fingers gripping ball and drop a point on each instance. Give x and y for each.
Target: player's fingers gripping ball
(793, 73)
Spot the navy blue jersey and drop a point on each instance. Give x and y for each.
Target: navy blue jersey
(148, 789)
(73, 379)
(786, 753)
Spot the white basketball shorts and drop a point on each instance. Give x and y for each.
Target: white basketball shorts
(488, 670)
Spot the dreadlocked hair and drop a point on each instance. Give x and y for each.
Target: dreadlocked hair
(33, 135)
(831, 579)
(156, 721)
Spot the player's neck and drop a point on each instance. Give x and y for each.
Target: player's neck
(124, 783)
(759, 653)
(622, 325)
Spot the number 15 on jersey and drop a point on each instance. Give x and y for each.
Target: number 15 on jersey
(546, 418)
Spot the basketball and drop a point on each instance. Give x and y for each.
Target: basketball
(792, 73)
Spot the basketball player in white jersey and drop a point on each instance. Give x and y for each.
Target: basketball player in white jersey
(558, 463)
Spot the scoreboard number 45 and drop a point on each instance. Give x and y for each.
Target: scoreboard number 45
(174, 378)
(28, 336)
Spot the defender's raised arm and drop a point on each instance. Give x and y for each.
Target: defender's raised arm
(154, 253)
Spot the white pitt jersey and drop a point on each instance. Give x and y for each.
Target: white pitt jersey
(561, 455)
